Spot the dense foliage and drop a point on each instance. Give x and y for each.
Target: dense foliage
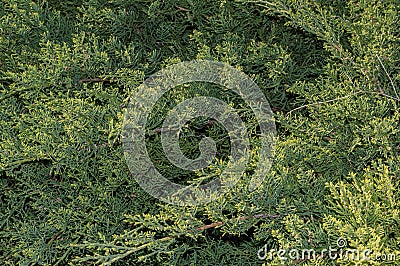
(330, 70)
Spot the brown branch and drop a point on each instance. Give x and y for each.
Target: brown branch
(208, 226)
(129, 251)
(88, 80)
(54, 237)
(328, 101)
(160, 129)
(263, 215)
(387, 74)
(182, 9)
(256, 216)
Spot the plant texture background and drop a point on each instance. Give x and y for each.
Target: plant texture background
(330, 71)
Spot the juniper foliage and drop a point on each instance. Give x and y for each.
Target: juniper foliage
(330, 70)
